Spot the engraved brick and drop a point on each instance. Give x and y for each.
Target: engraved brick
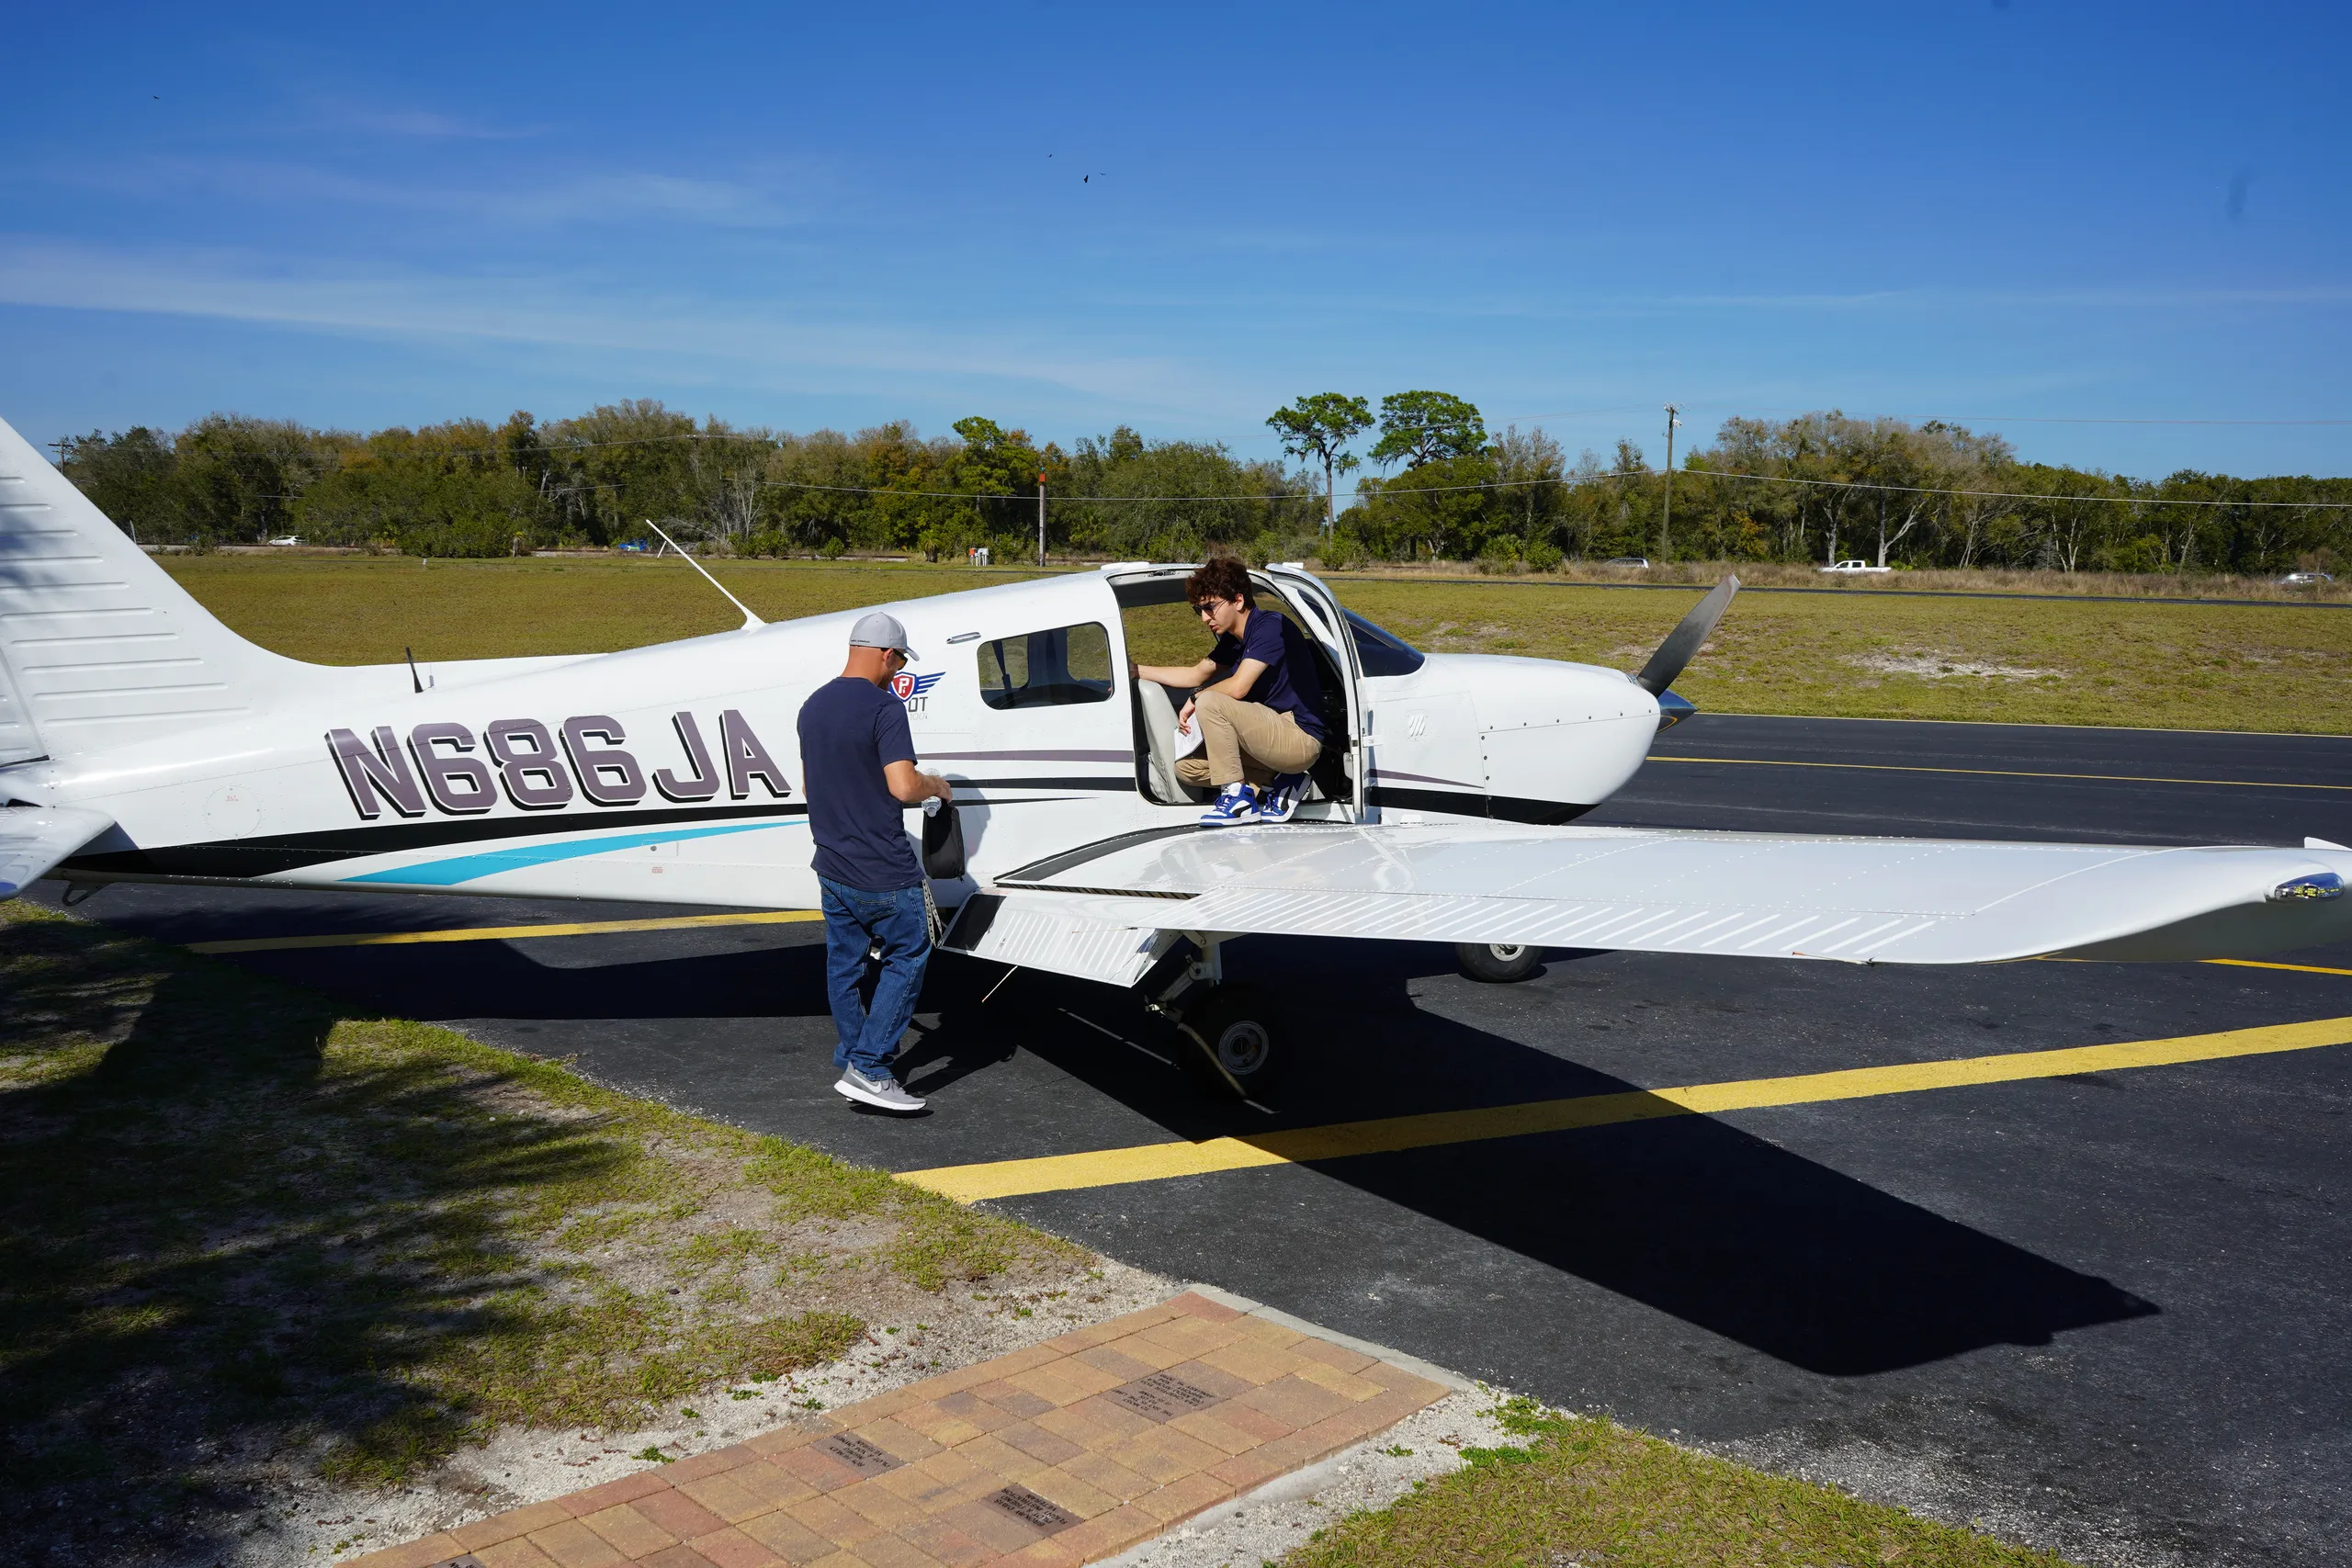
(1041, 1513)
(789, 1539)
(514, 1522)
(1161, 1396)
(629, 1532)
(628, 1488)
(571, 1544)
(732, 1549)
(862, 1451)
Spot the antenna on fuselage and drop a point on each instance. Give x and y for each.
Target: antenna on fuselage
(750, 620)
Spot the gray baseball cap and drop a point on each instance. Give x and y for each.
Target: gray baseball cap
(876, 629)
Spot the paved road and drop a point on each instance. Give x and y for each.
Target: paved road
(2103, 1311)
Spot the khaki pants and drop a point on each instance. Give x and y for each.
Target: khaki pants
(1245, 742)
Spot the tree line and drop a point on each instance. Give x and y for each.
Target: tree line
(1815, 487)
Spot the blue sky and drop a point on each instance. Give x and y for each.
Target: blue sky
(1180, 217)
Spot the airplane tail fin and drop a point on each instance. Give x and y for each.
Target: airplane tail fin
(100, 648)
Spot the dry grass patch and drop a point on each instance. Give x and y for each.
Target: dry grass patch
(1854, 654)
(246, 1238)
(1587, 1493)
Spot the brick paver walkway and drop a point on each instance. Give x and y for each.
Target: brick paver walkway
(1064, 1453)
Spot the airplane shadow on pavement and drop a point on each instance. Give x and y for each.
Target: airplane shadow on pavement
(1687, 1215)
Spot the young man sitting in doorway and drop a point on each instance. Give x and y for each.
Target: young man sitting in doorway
(1261, 728)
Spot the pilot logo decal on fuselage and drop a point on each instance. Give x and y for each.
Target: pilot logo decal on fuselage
(539, 769)
(915, 690)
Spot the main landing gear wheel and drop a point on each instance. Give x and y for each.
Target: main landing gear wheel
(1497, 963)
(1233, 1040)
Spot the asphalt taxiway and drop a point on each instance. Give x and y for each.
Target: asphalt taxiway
(2098, 1309)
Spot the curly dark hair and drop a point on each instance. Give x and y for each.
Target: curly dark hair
(1220, 577)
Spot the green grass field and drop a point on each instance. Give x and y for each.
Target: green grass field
(2181, 664)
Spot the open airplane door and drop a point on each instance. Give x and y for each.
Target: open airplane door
(1321, 617)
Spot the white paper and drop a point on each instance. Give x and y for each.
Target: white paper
(1188, 738)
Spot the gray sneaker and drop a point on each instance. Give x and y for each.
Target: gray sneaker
(885, 1093)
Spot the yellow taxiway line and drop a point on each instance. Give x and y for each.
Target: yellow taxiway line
(1160, 1162)
(1992, 772)
(507, 933)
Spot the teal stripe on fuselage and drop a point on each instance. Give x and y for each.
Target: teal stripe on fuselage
(465, 868)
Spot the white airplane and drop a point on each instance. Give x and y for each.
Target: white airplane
(142, 740)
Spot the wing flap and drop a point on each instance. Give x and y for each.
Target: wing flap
(33, 839)
(1875, 900)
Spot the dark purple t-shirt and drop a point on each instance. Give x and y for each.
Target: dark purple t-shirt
(1292, 684)
(850, 730)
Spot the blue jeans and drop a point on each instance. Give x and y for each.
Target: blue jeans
(855, 919)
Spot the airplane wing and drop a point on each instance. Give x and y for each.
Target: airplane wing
(1747, 895)
(33, 839)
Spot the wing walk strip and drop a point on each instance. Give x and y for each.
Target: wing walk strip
(1343, 1140)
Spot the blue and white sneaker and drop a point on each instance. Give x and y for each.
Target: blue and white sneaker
(1237, 806)
(1282, 797)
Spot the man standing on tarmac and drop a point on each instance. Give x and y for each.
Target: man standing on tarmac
(858, 762)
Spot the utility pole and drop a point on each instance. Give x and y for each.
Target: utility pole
(1041, 520)
(1666, 521)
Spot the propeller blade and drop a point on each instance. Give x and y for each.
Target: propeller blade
(1685, 639)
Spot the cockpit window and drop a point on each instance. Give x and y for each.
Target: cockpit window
(1383, 652)
(1051, 669)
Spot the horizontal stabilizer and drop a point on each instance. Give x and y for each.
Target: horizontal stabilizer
(33, 839)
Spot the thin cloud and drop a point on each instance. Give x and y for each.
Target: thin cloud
(567, 311)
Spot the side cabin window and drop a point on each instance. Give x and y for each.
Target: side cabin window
(1051, 669)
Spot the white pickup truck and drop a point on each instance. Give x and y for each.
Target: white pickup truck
(1852, 568)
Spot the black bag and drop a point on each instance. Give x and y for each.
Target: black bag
(943, 845)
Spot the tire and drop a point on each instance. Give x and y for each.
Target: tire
(1234, 1042)
(1497, 963)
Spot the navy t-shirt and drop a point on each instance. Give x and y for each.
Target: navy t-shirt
(849, 730)
(1292, 682)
